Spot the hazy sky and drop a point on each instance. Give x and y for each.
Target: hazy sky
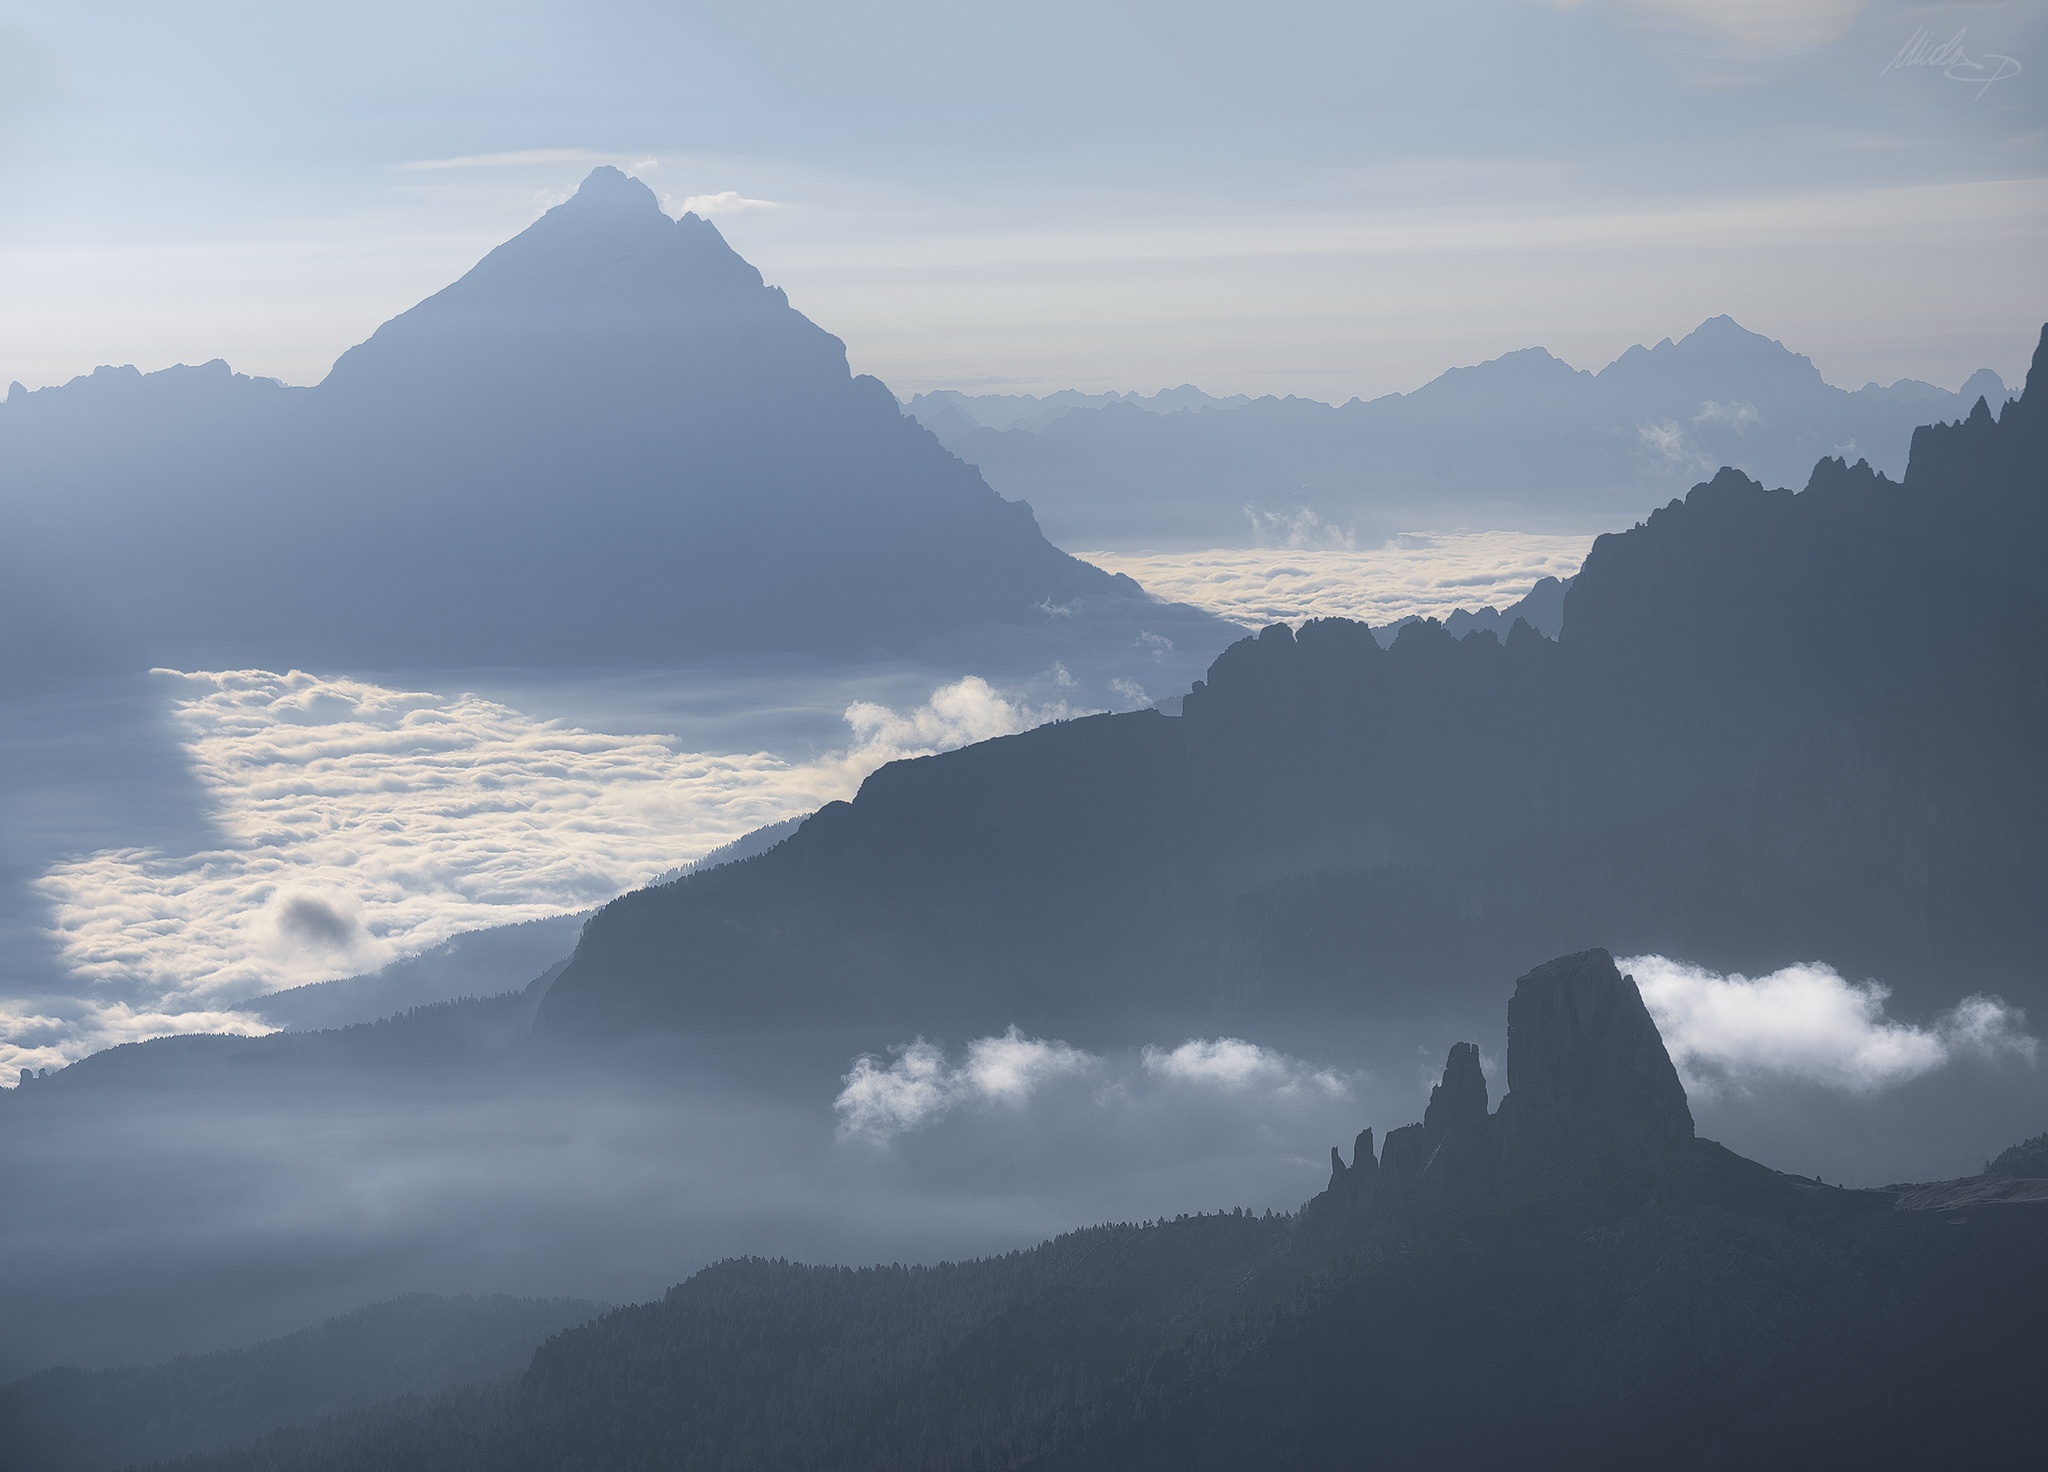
(1293, 196)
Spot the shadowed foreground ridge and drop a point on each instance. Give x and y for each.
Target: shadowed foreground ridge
(1572, 1279)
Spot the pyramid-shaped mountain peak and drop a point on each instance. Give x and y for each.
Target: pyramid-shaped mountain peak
(605, 187)
(603, 289)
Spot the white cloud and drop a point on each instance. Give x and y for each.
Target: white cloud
(1807, 1022)
(912, 1091)
(1426, 573)
(1011, 1067)
(725, 202)
(919, 1086)
(1234, 1064)
(361, 824)
(958, 714)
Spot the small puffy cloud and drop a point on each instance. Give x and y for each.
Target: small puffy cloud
(1234, 1064)
(918, 1085)
(1418, 573)
(914, 1089)
(1807, 1022)
(958, 714)
(1011, 1067)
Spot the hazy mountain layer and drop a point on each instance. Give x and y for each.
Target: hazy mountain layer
(609, 443)
(96, 1420)
(1715, 760)
(1524, 441)
(1573, 1279)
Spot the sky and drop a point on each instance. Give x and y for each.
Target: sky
(1306, 197)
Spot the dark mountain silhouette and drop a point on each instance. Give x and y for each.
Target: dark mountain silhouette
(1571, 1280)
(609, 443)
(1524, 440)
(1775, 726)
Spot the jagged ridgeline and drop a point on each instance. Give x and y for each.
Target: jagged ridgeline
(1522, 440)
(1572, 1279)
(1774, 726)
(609, 443)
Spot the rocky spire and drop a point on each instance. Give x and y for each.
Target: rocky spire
(1590, 1088)
(1589, 1080)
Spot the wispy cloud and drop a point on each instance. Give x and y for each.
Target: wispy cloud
(514, 158)
(725, 202)
(362, 824)
(1807, 1022)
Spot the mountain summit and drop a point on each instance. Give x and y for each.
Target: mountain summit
(610, 442)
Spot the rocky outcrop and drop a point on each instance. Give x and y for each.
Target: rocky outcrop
(1589, 1080)
(1591, 1090)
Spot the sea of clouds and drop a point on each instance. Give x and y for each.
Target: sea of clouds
(1426, 573)
(356, 824)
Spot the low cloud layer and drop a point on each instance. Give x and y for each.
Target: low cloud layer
(1426, 573)
(360, 824)
(1808, 1023)
(918, 1085)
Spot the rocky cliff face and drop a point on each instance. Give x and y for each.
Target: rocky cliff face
(1591, 1090)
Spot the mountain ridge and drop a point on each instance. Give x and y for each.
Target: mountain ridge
(1574, 1280)
(1522, 441)
(1707, 762)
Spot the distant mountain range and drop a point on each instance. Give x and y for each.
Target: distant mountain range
(1570, 1280)
(1774, 726)
(1524, 442)
(609, 443)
